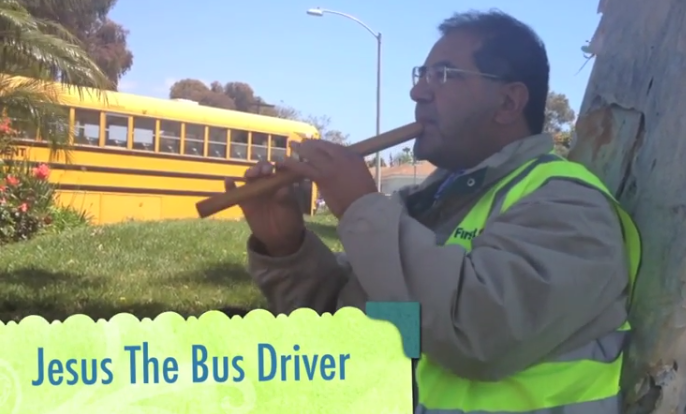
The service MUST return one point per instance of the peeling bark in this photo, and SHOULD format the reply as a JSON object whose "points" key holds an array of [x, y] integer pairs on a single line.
{"points": [[631, 131]]}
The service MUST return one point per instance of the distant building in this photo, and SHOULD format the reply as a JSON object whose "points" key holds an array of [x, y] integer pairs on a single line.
{"points": [[396, 177]]}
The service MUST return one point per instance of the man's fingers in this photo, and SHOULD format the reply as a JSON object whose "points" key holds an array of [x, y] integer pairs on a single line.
{"points": [[313, 153], [278, 166], [261, 169], [229, 184], [335, 151], [265, 168], [252, 172], [320, 143], [322, 154], [284, 193], [257, 171], [304, 169], [318, 158]]}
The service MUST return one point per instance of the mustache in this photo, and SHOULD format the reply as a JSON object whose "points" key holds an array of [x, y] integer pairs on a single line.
{"points": [[425, 115], [427, 121]]}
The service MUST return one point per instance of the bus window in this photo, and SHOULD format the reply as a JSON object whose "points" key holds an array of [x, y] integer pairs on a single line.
{"points": [[170, 136], [86, 127], [194, 140], [144, 134], [258, 146], [278, 151], [216, 148], [116, 130], [239, 144], [58, 131], [24, 129]]}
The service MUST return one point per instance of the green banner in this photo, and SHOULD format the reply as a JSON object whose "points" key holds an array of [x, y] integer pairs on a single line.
{"points": [[345, 363]]}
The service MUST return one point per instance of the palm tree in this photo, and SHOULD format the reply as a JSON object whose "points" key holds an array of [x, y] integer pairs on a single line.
{"points": [[41, 52]]}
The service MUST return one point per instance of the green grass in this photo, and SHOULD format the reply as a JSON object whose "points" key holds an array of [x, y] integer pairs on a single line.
{"points": [[142, 268]]}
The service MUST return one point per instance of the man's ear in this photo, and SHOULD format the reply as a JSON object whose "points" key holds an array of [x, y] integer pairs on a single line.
{"points": [[514, 97]]}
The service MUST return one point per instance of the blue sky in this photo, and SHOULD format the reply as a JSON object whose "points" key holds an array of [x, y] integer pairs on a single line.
{"points": [[327, 65]]}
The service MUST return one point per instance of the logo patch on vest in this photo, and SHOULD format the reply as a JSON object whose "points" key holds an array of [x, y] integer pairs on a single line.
{"points": [[464, 234]]}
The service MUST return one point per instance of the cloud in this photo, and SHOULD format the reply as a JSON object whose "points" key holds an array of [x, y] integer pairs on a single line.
{"points": [[166, 84], [127, 86], [169, 81]]}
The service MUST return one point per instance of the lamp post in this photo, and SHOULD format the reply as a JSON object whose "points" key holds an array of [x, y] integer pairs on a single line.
{"points": [[414, 166], [377, 35], [407, 151]]}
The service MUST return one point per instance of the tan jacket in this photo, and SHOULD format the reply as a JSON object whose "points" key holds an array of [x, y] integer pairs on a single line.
{"points": [[545, 277]]}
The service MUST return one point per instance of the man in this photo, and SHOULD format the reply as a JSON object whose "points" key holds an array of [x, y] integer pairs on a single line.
{"points": [[521, 261]]}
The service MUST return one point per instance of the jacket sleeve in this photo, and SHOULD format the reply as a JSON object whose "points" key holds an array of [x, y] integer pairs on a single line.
{"points": [[310, 278], [542, 276]]}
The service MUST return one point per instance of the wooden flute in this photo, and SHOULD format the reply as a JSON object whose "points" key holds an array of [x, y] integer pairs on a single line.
{"points": [[222, 201]]}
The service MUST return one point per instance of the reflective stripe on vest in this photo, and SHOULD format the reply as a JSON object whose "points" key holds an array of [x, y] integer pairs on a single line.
{"points": [[583, 381]]}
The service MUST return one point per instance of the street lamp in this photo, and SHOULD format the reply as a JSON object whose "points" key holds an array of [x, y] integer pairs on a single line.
{"points": [[377, 35]]}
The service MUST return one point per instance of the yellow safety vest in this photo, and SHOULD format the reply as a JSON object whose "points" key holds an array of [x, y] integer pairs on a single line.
{"points": [[583, 381]]}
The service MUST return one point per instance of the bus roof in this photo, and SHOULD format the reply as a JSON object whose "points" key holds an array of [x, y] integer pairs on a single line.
{"points": [[177, 110]]}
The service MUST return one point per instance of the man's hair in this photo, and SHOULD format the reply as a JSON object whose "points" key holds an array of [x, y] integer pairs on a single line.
{"points": [[511, 50]]}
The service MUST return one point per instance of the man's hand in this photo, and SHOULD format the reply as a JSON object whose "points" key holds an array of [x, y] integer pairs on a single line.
{"points": [[274, 219], [341, 175]]}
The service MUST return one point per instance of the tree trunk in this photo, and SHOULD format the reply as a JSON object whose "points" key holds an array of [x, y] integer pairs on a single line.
{"points": [[631, 131]]}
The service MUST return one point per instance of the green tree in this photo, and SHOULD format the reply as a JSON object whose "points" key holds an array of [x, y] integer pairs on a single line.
{"points": [[246, 100], [371, 162], [323, 123], [559, 115], [403, 157], [216, 87], [87, 20], [287, 112], [40, 50], [192, 89], [240, 96], [559, 122], [197, 91], [564, 138]]}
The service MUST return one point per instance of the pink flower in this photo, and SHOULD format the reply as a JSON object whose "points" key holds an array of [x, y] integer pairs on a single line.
{"points": [[5, 126], [41, 172], [12, 181]]}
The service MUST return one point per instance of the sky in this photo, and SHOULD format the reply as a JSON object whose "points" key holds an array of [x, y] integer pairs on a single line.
{"points": [[327, 65]]}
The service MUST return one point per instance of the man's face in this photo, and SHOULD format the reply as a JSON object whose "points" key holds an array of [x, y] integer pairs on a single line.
{"points": [[456, 109]]}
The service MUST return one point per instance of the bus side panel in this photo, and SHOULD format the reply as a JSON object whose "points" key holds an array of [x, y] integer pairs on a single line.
{"points": [[90, 203], [183, 207], [109, 208], [134, 160]]}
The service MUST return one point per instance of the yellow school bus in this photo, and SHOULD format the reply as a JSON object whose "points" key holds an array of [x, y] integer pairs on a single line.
{"points": [[143, 158]]}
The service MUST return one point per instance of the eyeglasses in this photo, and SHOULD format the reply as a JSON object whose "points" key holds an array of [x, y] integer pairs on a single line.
{"points": [[441, 74]]}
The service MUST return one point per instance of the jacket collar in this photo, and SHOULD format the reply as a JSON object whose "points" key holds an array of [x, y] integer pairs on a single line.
{"points": [[489, 171]]}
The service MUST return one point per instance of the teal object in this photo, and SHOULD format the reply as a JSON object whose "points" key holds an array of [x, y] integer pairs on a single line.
{"points": [[405, 317]]}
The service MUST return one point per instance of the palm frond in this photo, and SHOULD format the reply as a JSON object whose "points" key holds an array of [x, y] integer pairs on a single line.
{"points": [[45, 47], [42, 51], [33, 104]]}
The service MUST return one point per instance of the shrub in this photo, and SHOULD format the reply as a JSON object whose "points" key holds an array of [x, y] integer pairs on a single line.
{"points": [[64, 218], [26, 199]]}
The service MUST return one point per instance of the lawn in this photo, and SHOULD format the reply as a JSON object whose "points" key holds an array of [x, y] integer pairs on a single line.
{"points": [[188, 266]]}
